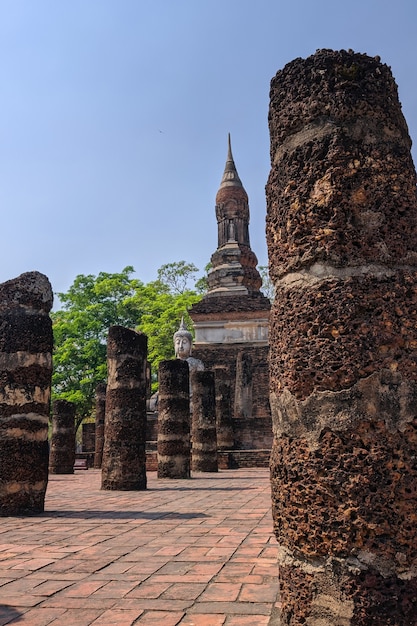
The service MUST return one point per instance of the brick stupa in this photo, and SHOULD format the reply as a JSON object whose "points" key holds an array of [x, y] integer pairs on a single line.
{"points": [[231, 321]]}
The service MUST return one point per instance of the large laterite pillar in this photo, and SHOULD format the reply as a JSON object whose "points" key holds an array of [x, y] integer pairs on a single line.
{"points": [[124, 451], [173, 444], [25, 389], [100, 417], [203, 423], [62, 446], [342, 246]]}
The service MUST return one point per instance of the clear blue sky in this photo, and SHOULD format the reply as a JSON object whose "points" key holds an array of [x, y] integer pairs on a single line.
{"points": [[115, 114]]}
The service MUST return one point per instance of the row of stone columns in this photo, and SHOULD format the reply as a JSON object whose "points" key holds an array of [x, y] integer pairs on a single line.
{"points": [[121, 419]]}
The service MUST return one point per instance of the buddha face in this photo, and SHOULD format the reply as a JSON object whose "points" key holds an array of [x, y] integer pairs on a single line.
{"points": [[182, 347]]}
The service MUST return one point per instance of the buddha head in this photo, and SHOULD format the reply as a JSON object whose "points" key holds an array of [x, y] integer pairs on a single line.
{"points": [[183, 341]]}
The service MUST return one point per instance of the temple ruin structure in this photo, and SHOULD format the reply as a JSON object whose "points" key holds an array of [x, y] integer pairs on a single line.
{"points": [[231, 324], [25, 373], [342, 244], [124, 450]]}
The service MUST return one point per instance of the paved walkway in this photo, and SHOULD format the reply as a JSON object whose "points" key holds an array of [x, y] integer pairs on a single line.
{"points": [[192, 552]]}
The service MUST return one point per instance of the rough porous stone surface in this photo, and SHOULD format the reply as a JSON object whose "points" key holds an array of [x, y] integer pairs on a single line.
{"points": [[124, 451], [25, 388], [173, 444], [342, 237], [224, 425], [203, 423], [62, 445], [99, 422]]}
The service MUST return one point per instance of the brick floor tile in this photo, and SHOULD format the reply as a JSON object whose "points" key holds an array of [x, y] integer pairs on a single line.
{"points": [[118, 617], [83, 589], [160, 618], [231, 608], [221, 592], [203, 620], [76, 617], [184, 591], [265, 592], [36, 617], [248, 620], [149, 589], [115, 589]]}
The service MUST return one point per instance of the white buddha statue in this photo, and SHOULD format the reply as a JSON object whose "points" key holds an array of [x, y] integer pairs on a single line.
{"points": [[183, 343]]}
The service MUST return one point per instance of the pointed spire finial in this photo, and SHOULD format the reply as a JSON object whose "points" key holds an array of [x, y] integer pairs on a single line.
{"points": [[230, 175], [229, 152]]}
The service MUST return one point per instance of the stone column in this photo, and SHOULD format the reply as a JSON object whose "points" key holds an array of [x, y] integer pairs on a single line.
{"points": [[203, 423], [62, 447], [100, 417], [25, 390], [124, 451], [173, 444], [224, 422], [342, 244], [243, 389]]}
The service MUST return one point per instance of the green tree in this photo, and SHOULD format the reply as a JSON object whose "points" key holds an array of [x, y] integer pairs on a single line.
{"points": [[90, 307], [93, 304], [176, 276]]}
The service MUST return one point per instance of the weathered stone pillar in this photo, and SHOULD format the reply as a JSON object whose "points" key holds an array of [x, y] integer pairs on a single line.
{"points": [[243, 389], [88, 437], [173, 444], [62, 447], [203, 423], [124, 452], [224, 423], [342, 243], [100, 417], [25, 389]]}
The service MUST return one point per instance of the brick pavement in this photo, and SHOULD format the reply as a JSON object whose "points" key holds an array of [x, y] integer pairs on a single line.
{"points": [[197, 552]]}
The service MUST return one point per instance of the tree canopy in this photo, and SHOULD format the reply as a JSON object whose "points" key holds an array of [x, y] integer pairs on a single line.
{"points": [[94, 303]]}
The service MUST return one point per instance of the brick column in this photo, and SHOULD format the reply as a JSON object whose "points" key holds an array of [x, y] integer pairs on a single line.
{"points": [[173, 445], [203, 423], [224, 423], [124, 454], [100, 417], [25, 390], [243, 390], [62, 450], [342, 246]]}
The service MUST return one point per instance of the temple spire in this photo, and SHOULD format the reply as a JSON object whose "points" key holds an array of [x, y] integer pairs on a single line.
{"points": [[230, 175]]}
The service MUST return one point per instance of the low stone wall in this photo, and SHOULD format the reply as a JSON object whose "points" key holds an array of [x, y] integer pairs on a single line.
{"points": [[227, 459]]}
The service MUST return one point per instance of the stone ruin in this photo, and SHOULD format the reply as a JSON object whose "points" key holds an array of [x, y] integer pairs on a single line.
{"points": [[25, 386], [174, 439], [231, 329], [124, 450], [342, 243], [62, 445]]}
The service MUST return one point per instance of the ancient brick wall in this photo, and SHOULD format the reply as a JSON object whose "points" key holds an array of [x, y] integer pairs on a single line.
{"points": [[226, 355], [342, 237]]}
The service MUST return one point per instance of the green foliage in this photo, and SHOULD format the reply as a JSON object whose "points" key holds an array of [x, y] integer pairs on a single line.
{"points": [[90, 307], [177, 275], [93, 304]]}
